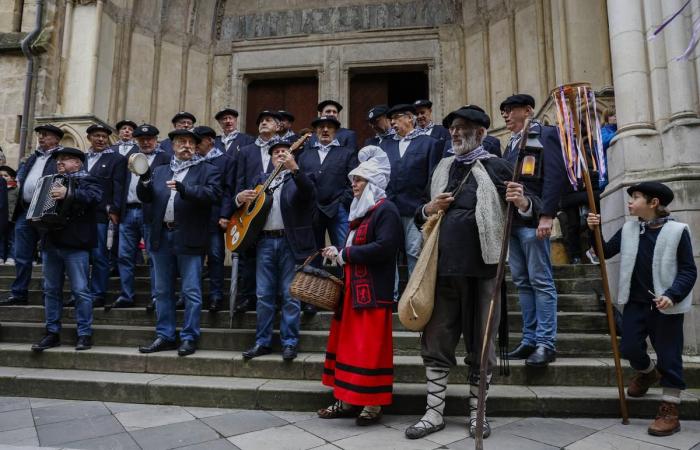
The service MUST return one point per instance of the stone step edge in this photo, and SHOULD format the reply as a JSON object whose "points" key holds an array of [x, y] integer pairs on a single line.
{"points": [[295, 395]]}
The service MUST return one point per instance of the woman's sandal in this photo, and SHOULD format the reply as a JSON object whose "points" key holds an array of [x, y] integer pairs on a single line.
{"points": [[336, 411], [368, 417]]}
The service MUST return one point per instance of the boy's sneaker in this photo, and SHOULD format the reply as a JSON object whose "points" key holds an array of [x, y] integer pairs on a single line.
{"points": [[666, 422], [641, 382]]}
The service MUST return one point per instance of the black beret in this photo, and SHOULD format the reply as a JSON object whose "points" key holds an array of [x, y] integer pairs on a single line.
{"points": [[426, 103], [518, 99], [97, 127], [401, 108], [468, 114], [226, 111], [376, 112], [268, 113], [146, 129], [121, 123], [653, 189], [10, 171], [278, 143], [323, 119], [50, 129], [204, 131], [286, 115], [175, 133], [325, 103], [479, 109], [184, 115], [69, 151]]}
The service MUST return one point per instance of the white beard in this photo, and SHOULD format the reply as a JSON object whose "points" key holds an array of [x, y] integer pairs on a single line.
{"points": [[469, 142]]}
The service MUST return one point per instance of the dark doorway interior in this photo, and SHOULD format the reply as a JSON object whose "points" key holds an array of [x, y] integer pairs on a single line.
{"points": [[391, 88], [297, 95]]}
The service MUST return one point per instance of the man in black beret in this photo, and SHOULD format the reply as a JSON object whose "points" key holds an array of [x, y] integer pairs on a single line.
{"points": [[183, 120], [380, 124], [39, 164], [231, 140], [285, 132], [67, 250], [529, 250], [490, 143], [424, 122], [125, 129], [345, 137], [468, 254]]}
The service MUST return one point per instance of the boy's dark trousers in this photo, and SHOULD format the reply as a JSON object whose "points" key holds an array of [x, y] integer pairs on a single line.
{"points": [[665, 331]]}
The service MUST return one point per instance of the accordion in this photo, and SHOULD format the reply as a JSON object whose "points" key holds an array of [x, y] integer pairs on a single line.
{"points": [[46, 212]]}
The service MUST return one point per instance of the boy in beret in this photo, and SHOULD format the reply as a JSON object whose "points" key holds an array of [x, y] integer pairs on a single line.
{"points": [[657, 273], [67, 250]]}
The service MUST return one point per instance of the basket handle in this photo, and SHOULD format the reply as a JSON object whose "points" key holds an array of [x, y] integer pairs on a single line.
{"points": [[311, 258]]}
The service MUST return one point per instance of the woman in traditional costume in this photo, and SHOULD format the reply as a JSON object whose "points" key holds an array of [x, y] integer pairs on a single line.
{"points": [[359, 356]]}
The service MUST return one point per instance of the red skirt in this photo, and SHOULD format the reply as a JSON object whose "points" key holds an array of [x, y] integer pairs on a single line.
{"points": [[359, 357]]}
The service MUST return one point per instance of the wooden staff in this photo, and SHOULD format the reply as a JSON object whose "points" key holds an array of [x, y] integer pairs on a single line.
{"points": [[496, 298]]}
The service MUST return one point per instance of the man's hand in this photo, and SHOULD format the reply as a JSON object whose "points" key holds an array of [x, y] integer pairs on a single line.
{"points": [[246, 196], [515, 195], [544, 229], [663, 302], [288, 161], [440, 203], [114, 218], [223, 223], [59, 192], [172, 184], [593, 220]]}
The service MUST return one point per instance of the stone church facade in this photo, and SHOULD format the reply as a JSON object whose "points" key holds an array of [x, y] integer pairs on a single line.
{"points": [[105, 60]]}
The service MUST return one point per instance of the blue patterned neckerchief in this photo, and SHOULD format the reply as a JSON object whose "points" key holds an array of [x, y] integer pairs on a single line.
{"points": [[177, 165], [287, 135], [92, 153], [213, 153], [77, 174], [129, 142], [260, 142], [653, 223], [389, 133], [326, 148], [412, 135], [39, 152], [427, 128], [474, 155], [229, 137]]}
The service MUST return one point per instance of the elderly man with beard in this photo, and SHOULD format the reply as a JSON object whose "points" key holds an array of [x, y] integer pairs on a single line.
{"points": [[470, 188]]}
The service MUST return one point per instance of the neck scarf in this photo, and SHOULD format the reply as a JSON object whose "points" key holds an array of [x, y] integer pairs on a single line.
{"points": [[229, 137], [478, 153], [427, 128], [177, 165], [129, 142], [652, 223], [40, 152], [413, 134], [288, 135], [92, 153], [213, 153], [77, 174], [333, 143], [389, 133]]}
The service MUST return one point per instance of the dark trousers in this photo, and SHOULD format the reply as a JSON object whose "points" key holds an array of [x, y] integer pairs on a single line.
{"points": [[246, 274], [665, 331]]}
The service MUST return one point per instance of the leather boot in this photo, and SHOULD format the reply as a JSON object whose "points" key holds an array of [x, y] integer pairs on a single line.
{"points": [[666, 422], [641, 382]]}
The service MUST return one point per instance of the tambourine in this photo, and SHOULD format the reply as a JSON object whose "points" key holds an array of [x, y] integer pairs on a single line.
{"points": [[138, 164]]}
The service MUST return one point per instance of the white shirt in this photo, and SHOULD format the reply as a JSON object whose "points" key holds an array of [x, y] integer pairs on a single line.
{"points": [[92, 160], [274, 218], [33, 176], [265, 157], [323, 150], [125, 148], [403, 146], [170, 209], [131, 197]]}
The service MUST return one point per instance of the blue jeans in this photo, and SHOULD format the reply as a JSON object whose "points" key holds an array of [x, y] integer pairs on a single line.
{"points": [[26, 238], [274, 272], [215, 264], [7, 242], [531, 270], [131, 230], [75, 263], [337, 228], [165, 265], [99, 257]]}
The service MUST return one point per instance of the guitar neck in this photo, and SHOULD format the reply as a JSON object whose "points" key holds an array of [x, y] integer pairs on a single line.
{"points": [[278, 168]]}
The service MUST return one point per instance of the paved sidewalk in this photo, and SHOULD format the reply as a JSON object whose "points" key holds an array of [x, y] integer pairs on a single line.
{"points": [[33, 422]]}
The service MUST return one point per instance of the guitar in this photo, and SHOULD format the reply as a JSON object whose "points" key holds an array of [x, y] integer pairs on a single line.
{"points": [[249, 219]]}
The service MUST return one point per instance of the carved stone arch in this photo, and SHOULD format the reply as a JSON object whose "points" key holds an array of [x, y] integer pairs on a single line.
{"points": [[73, 137]]}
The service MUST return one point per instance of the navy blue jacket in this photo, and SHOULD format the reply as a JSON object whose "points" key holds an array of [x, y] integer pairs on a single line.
{"points": [[197, 193], [115, 147], [333, 186], [298, 203], [235, 145], [410, 174], [110, 171], [249, 167], [226, 166], [4, 207], [554, 180], [442, 135], [160, 159], [80, 232], [24, 169]]}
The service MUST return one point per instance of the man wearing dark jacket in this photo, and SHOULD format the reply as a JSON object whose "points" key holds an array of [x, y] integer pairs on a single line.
{"points": [[380, 124], [183, 120], [67, 250], [231, 140], [39, 164], [287, 239], [424, 122], [181, 195]]}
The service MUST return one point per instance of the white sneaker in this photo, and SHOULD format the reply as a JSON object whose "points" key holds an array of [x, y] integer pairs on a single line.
{"points": [[10, 262], [590, 254]]}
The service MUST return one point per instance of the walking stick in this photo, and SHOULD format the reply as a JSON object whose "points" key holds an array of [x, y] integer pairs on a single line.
{"points": [[571, 101], [496, 298], [233, 289]]}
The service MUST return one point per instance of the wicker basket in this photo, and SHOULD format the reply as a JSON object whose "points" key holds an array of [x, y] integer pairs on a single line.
{"points": [[315, 286]]}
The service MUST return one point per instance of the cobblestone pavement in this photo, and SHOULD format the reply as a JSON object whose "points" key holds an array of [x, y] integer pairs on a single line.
{"points": [[66, 424]]}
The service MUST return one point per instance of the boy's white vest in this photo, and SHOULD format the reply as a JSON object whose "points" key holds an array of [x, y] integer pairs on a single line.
{"points": [[664, 264]]}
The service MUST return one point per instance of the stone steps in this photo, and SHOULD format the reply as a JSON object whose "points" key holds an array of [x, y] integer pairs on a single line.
{"points": [[304, 395], [308, 366], [568, 322], [405, 342]]}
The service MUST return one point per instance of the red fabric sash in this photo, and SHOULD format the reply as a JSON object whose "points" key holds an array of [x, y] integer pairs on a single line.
{"points": [[361, 284]]}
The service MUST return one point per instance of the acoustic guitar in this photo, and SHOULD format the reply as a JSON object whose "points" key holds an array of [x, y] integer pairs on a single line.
{"points": [[249, 219]]}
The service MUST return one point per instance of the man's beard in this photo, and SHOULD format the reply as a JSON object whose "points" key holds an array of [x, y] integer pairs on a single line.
{"points": [[470, 141]]}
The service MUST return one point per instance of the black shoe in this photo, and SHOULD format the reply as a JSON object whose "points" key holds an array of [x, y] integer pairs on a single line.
{"points": [[151, 305], [13, 300], [123, 302], [158, 345], [84, 343], [98, 302], [522, 351], [114, 273], [255, 351], [244, 305], [215, 305], [541, 357], [180, 304], [70, 303], [187, 347], [289, 352], [308, 309], [49, 341]]}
